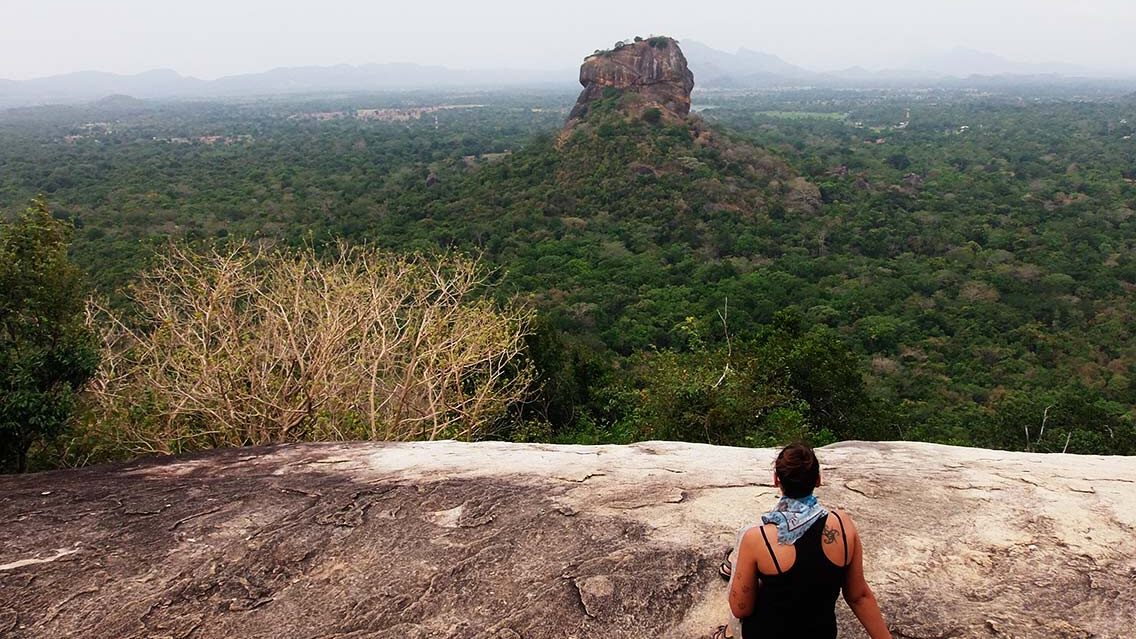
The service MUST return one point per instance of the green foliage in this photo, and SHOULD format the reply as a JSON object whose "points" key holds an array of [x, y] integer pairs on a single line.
{"points": [[46, 352], [652, 115], [611, 92], [1074, 419], [565, 373], [976, 265], [782, 385]]}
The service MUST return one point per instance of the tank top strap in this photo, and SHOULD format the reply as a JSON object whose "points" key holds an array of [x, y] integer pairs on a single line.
{"points": [[843, 536], [772, 554]]}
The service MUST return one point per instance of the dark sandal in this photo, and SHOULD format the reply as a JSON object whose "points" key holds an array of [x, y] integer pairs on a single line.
{"points": [[726, 569], [723, 632]]}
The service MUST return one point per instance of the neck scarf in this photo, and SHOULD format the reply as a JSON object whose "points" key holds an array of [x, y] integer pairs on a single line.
{"points": [[793, 517]]}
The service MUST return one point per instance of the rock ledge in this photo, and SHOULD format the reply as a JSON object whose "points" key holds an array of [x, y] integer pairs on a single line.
{"points": [[503, 540]]}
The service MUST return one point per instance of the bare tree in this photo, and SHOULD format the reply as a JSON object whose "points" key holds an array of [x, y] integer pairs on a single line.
{"points": [[251, 346], [1041, 433]]}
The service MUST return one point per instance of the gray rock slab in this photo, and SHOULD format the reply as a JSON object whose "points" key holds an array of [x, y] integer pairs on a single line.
{"points": [[445, 539]]}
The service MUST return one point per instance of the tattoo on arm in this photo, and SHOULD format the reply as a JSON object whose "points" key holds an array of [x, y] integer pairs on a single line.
{"points": [[829, 535]]}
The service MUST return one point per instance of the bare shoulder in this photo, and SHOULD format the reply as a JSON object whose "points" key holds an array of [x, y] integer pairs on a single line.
{"points": [[754, 538], [842, 517]]}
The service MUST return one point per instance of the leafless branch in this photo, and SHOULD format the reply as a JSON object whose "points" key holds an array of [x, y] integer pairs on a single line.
{"points": [[248, 346]]}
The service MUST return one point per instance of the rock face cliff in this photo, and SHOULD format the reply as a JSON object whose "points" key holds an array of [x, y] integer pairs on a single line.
{"points": [[501, 541], [653, 70]]}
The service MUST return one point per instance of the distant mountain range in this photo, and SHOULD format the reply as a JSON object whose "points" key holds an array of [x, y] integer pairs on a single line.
{"points": [[165, 83], [717, 69], [961, 62], [713, 69]]}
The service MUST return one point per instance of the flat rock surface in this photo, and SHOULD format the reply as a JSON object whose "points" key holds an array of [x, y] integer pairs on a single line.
{"points": [[501, 540]]}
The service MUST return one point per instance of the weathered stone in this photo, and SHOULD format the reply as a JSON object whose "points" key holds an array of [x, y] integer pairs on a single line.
{"points": [[654, 70], [508, 540], [803, 196], [597, 593]]}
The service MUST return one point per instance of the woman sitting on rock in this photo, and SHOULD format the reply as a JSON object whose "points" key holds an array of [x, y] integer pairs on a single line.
{"points": [[789, 570]]}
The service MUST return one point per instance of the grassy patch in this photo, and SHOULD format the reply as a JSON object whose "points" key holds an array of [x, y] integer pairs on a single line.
{"points": [[803, 115]]}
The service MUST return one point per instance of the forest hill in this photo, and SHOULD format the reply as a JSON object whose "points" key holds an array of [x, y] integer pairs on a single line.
{"points": [[987, 297]]}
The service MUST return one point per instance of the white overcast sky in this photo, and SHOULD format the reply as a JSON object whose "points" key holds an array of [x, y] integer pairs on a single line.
{"points": [[210, 38]]}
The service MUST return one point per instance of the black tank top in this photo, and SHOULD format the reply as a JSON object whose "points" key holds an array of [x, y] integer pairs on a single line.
{"points": [[801, 602]]}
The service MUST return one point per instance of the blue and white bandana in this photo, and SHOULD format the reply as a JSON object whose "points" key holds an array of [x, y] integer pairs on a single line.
{"points": [[793, 517]]}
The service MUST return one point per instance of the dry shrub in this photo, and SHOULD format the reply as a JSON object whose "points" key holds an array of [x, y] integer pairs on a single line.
{"points": [[249, 347]]}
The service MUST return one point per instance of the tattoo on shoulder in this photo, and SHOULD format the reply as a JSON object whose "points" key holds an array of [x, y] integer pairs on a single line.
{"points": [[829, 535]]}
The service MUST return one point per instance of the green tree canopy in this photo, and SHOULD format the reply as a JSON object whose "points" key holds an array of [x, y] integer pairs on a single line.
{"points": [[46, 351]]}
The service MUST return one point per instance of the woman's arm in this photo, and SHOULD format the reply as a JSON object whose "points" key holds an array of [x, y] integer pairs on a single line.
{"points": [[744, 579], [859, 595]]}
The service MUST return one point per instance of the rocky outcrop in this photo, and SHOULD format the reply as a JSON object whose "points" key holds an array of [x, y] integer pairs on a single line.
{"points": [[508, 540], [652, 72], [803, 196]]}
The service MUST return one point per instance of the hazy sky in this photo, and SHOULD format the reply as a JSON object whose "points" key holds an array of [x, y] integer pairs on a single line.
{"points": [[210, 38]]}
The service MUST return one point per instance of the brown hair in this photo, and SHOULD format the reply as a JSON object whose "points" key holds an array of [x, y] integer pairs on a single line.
{"points": [[798, 469]]}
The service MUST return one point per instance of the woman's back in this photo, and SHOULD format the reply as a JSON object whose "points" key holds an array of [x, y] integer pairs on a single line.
{"points": [[788, 591], [800, 602]]}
